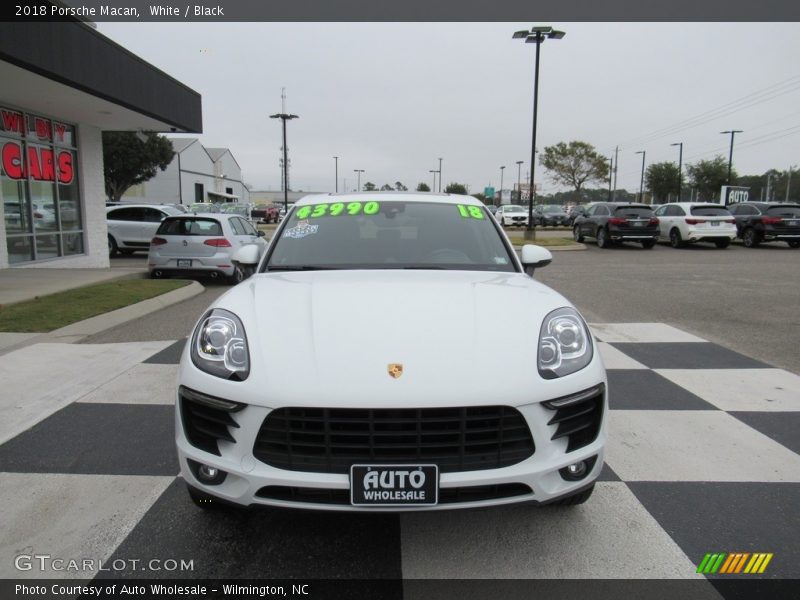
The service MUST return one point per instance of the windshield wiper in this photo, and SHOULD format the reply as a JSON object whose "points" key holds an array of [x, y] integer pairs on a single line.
{"points": [[299, 268]]}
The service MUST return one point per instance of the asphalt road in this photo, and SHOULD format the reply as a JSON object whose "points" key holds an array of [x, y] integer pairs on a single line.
{"points": [[745, 299]]}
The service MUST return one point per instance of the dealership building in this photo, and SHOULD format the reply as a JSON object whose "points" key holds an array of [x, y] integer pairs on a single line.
{"points": [[63, 85]]}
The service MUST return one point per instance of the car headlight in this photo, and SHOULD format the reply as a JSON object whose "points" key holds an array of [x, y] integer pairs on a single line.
{"points": [[219, 346], [564, 344]]}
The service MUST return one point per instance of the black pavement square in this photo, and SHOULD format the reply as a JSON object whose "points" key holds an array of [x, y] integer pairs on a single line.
{"points": [[171, 355], [729, 517], [642, 389], [687, 355], [608, 474], [262, 543], [783, 427], [105, 439]]}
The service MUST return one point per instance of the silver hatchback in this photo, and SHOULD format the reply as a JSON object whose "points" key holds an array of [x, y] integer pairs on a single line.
{"points": [[204, 245]]}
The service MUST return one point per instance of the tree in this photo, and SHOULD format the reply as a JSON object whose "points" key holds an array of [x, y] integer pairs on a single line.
{"points": [[423, 187], [386, 188], [574, 164], [662, 179], [400, 187], [456, 188], [128, 160], [708, 176], [369, 187]]}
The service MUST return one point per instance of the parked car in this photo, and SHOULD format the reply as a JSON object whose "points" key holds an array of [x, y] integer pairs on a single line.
{"points": [[552, 215], [364, 395], [577, 211], [491, 208], [204, 245], [511, 214], [204, 207], [265, 213], [758, 222], [242, 209], [617, 222], [689, 222], [132, 226]]}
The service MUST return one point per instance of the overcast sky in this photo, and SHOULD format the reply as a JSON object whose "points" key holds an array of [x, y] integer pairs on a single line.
{"points": [[391, 98]]}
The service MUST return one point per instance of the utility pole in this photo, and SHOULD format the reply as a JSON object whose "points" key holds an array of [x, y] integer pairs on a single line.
{"points": [[788, 183], [733, 132], [336, 175], [616, 165], [284, 116], [440, 175], [610, 171], [769, 181]]}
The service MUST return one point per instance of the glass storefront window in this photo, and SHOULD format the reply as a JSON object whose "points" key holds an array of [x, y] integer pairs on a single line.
{"points": [[38, 176]]}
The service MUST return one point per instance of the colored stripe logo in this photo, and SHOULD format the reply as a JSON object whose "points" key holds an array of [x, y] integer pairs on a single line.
{"points": [[734, 563]]}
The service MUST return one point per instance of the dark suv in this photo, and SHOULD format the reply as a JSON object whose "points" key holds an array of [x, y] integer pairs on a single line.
{"points": [[758, 222], [610, 222]]}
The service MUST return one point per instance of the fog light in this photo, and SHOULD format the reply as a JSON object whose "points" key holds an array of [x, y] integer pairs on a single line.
{"points": [[577, 471], [210, 473], [206, 474]]}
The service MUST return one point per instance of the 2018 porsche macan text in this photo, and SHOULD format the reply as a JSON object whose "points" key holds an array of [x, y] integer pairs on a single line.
{"points": [[392, 352]]}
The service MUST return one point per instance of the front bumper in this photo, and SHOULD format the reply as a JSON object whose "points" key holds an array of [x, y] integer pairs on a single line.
{"points": [[246, 476]]}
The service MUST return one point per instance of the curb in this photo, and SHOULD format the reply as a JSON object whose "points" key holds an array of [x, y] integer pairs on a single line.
{"points": [[77, 331]]}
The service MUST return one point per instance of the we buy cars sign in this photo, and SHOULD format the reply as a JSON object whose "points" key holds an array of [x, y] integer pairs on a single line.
{"points": [[38, 163]]}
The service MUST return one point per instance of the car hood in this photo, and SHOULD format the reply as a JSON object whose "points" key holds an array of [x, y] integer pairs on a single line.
{"points": [[330, 337]]}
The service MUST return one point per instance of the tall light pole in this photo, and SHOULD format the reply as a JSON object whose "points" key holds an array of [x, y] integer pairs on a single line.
{"points": [[285, 117], [359, 171], [616, 168], [641, 184], [610, 173], [501, 183], [680, 168], [519, 180], [336, 174], [733, 132], [440, 174], [434, 171], [535, 36]]}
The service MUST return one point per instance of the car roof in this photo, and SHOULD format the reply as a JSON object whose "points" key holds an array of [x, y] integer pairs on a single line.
{"points": [[768, 204], [389, 197], [127, 205]]}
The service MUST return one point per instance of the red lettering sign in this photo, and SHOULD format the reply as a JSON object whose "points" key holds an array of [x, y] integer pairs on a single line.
{"points": [[13, 122], [60, 130], [43, 131], [41, 164]]}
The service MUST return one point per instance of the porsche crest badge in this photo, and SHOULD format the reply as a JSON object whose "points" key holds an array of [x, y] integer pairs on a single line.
{"points": [[395, 370]]}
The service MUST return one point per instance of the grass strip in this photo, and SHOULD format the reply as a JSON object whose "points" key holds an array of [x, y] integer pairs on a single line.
{"points": [[47, 313]]}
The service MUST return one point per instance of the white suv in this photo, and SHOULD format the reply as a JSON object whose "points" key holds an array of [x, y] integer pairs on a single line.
{"points": [[689, 222], [132, 226]]}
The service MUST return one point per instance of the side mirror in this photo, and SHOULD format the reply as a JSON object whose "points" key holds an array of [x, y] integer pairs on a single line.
{"points": [[261, 233], [535, 257]]}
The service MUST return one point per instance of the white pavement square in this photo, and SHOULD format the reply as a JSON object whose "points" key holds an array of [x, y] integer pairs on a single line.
{"points": [[694, 445], [529, 542], [70, 517], [766, 390], [641, 333], [143, 384], [41, 379]]}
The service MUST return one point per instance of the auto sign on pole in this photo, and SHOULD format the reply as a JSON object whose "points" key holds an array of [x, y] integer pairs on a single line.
{"points": [[730, 194]]}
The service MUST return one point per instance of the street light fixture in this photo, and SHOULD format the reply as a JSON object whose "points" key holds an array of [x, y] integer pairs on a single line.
{"points": [[359, 171], [536, 35], [440, 174], [733, 132], [434, 171], [501, 183], [285, 117], [641, 184], [519, 180], [336, 176], [680, 168]]}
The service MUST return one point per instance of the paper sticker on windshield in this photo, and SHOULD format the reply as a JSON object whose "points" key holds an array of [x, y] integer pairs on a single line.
{"points": [[470, 212], [336, 209], [300, 230]]}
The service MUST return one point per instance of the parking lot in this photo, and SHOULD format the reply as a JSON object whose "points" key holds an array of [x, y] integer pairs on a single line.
{"points": [[703, 456]]}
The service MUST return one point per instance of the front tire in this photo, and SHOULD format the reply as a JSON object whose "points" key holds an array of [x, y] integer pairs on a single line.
{"points": [[576, 234], [602, 238], [750, 238], [113, 249], [722, 243], [240, 273], [575, 499], [675, 239]]}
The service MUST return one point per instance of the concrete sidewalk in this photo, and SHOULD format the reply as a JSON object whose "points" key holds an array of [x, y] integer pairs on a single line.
{"points": [[17, 285]]}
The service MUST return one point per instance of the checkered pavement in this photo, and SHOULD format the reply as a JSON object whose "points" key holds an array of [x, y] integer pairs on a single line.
{"points": [[703, 456]]}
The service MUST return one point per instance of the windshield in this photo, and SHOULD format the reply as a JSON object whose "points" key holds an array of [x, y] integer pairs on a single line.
{"points": [[710, 211], [190, 226], [784, 211], [513, 208], [389, 235], [633, 212], [550, 208]]}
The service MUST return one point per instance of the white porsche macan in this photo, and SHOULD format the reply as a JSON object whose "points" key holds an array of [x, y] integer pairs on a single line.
{"points": [[358, 368]]}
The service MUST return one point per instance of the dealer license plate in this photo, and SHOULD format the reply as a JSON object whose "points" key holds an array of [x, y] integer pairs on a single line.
{"points": [[715, 223], [184, 263], [792, 222], [637, 223], [394, 485]]}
